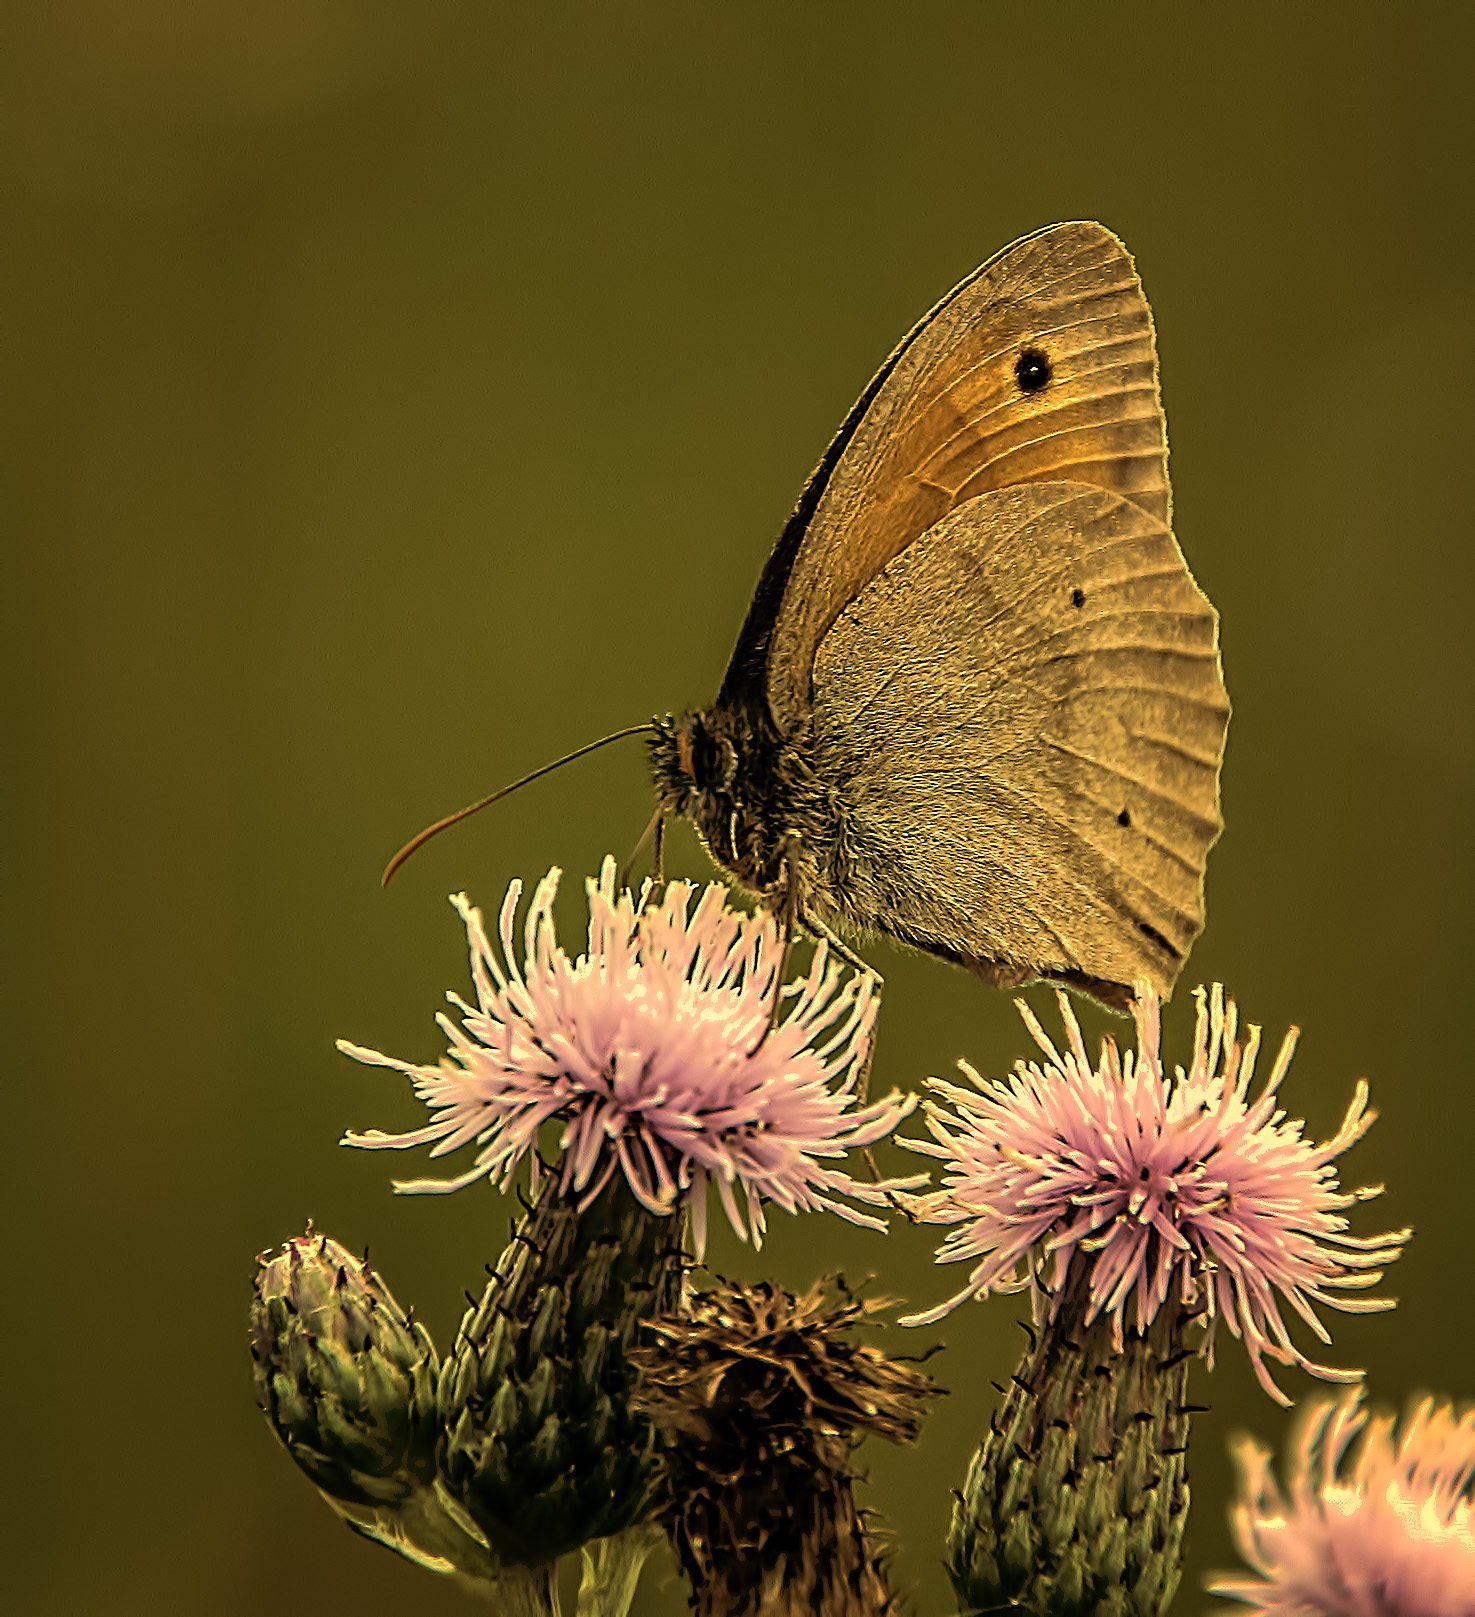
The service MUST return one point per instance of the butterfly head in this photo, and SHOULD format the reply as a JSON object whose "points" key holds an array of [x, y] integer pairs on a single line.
{"points": [[695, 763]]}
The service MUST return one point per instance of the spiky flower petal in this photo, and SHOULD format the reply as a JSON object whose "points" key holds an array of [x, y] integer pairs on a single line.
{"points": [[1162, 1184], [1393, 1531], [655, 1052], [762, 1396]]}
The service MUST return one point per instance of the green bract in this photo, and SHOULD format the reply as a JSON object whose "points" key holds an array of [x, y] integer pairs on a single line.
{"points": [[543, 1450], [1076, 1502]]}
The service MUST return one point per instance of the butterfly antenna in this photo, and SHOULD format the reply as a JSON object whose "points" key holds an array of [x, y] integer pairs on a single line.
{"points": [[486, 802]]}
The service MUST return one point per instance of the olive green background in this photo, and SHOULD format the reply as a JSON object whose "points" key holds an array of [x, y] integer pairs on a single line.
{"points": [[403, 395]]}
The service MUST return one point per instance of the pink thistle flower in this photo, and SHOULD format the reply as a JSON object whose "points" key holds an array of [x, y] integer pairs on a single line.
{"points": [[1155, 1183], [1395, 1537], [654, 1051]]}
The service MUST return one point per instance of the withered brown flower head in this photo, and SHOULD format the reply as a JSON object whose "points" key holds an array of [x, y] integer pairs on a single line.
{"points": [[763, 1396]]}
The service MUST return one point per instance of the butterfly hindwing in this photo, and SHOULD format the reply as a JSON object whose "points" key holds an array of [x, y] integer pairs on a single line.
{"points": [[1023, 717]]}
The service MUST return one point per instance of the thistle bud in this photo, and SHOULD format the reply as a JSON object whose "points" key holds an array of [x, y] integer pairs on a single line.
{"points": [[347, 1381], [345, 1378]]}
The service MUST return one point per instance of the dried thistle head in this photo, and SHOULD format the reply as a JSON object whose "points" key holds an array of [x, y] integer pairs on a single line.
{"points": [[762, 1396], [740, 1349]]}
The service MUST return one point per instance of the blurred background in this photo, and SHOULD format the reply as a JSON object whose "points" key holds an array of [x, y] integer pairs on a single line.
{"points": [[404, 395]]}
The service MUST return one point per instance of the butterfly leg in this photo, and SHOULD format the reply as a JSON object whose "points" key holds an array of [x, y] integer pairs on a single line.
{"points": [[837, 946], [655, 832], [788, 921], [818, 930]]}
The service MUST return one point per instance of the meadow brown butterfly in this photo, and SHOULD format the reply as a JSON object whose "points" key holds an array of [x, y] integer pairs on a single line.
{"points": [[977, 705]]}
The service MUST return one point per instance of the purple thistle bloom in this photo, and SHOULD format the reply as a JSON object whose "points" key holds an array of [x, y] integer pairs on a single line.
{"points": [[1156, 1183], [654, 1051], [1396, 1535]]}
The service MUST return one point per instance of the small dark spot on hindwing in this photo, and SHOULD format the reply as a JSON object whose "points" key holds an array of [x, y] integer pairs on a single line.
{"points": [[1124, 818], [1032, 370], [1078, 597], [1152, 933]]}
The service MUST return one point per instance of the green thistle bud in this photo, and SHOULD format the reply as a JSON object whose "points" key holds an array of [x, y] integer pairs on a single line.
{"points": [[542, 1449], [1076, 1502], [347, 1381], [762, 1397]]}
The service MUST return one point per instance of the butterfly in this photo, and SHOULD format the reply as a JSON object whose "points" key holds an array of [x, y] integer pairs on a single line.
{"points": [[977, 704]]}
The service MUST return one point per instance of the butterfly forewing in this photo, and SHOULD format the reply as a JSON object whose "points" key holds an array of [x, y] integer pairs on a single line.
{"points": [[1039, 368]]}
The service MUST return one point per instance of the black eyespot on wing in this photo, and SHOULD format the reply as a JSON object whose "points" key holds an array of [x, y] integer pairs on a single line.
{"points": [[1078, 597], [1032, 370], [1124, 818]]}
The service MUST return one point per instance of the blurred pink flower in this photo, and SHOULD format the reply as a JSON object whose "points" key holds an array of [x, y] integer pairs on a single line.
{"points": [[654, 1052], [1395, 1536], [1155, 1182]]}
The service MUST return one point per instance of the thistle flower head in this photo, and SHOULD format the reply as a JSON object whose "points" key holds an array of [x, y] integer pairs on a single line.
{"points": [[1154, 1182], [655, 1052], [1391, 1531]]}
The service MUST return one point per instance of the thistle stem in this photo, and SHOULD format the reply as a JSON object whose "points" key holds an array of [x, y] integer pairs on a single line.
{"points": [[527, 1592]]}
